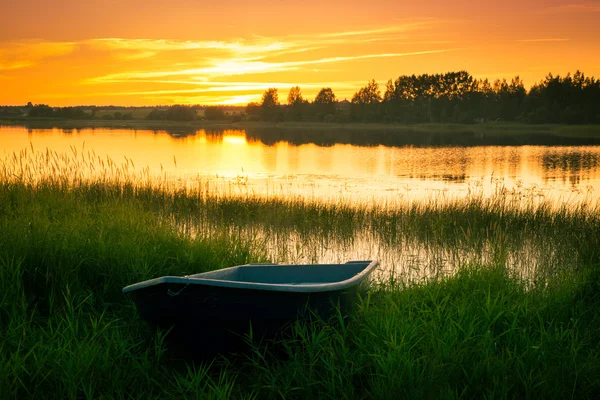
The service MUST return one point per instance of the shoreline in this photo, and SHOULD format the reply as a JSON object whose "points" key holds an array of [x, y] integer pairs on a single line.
{"points": [[200, 124], [429, 134]]}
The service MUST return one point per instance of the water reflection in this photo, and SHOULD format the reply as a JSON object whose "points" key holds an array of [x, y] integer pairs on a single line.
{"points": [[573, 161], [405, 255], [366, 135], [570, 166], [260, 163], [237, 164]]}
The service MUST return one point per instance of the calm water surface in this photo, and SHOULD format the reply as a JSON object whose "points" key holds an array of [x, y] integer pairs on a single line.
{"points": [[355, 173]]}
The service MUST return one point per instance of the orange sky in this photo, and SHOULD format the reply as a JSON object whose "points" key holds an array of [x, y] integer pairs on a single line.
{"points": [[67, 52]]}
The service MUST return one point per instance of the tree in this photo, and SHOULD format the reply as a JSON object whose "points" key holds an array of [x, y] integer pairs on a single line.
{"points": [[155, 114], [269, 105], [253, 111], [325, 96], [369, 94], [214, 113], [180, 112], [295, 96], [324, 104], [41, 110], [296, 105], [390, 91], [365, 102], [270, 99]]}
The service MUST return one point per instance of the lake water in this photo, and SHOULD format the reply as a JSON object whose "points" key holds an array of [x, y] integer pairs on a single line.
{"points": [[361, 175], [357, 174]]}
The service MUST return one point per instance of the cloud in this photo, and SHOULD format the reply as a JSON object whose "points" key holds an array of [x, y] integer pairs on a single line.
{"points": [[205, 59], [258, 46], [239, 46], [390, 29], [578, 8], [136, 56], [220, 68], [366, 56], [222, 87], [159, 68], [219, 92], [209, 100], [24, 54], [544, 40], [15, 65]]}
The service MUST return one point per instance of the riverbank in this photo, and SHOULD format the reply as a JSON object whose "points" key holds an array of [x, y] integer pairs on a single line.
{"points": [[358, 133], [483, 330]]}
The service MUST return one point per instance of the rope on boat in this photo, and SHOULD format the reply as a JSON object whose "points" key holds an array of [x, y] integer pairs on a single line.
{"points": [[177, 293]]}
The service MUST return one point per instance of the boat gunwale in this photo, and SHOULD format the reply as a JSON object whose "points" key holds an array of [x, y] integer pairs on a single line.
{"points": [[273, 287]]}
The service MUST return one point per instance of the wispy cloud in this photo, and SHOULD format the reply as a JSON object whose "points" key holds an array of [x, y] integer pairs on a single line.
{"points": [[366, 56], [390, 29], [258, 47], [247, 49], [15, 65], [573, 8], [129, 56], [213, 58], [27, 53], [544, 40], [219, 68], [223, 87], [239, 46], [207, 100], [243, 67], [217, 92], [200, 69]]}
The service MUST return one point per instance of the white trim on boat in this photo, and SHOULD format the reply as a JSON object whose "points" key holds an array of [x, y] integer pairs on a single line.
{"points": [[303, 287]]}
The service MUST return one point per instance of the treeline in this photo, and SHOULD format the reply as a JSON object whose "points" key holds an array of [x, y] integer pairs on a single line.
{"points": [[165, 113], [190, 113], [453, 97], [45, 111], [173, 113]]}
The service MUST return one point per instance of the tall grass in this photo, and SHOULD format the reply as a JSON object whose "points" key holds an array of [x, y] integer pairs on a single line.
{"points": [[476, 334], [480, 297]]}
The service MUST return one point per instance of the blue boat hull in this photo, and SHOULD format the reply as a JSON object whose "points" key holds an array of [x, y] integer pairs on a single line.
{"points": [[209, 317], [207, 320]]}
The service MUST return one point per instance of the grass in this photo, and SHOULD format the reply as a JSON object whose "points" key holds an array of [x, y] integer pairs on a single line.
{"points": [[456, 317], [476, 334]]}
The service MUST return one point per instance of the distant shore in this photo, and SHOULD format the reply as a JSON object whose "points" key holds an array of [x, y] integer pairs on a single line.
{"points": [[490, 133]]}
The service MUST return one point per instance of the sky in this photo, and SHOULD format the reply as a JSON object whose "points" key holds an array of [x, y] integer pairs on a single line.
{"points": [[150, 52]]}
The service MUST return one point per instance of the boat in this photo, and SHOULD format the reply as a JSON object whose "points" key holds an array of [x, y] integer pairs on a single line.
{"points": [[216, 311]]}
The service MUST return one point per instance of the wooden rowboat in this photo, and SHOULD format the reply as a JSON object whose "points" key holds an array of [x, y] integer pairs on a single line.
{"points": [[214, 309]]}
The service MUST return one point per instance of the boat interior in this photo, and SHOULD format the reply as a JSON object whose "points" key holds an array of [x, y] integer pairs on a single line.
{"points": [[287, 274]]}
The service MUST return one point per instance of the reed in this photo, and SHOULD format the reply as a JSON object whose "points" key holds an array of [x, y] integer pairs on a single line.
{"points": [[484, 296]]}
